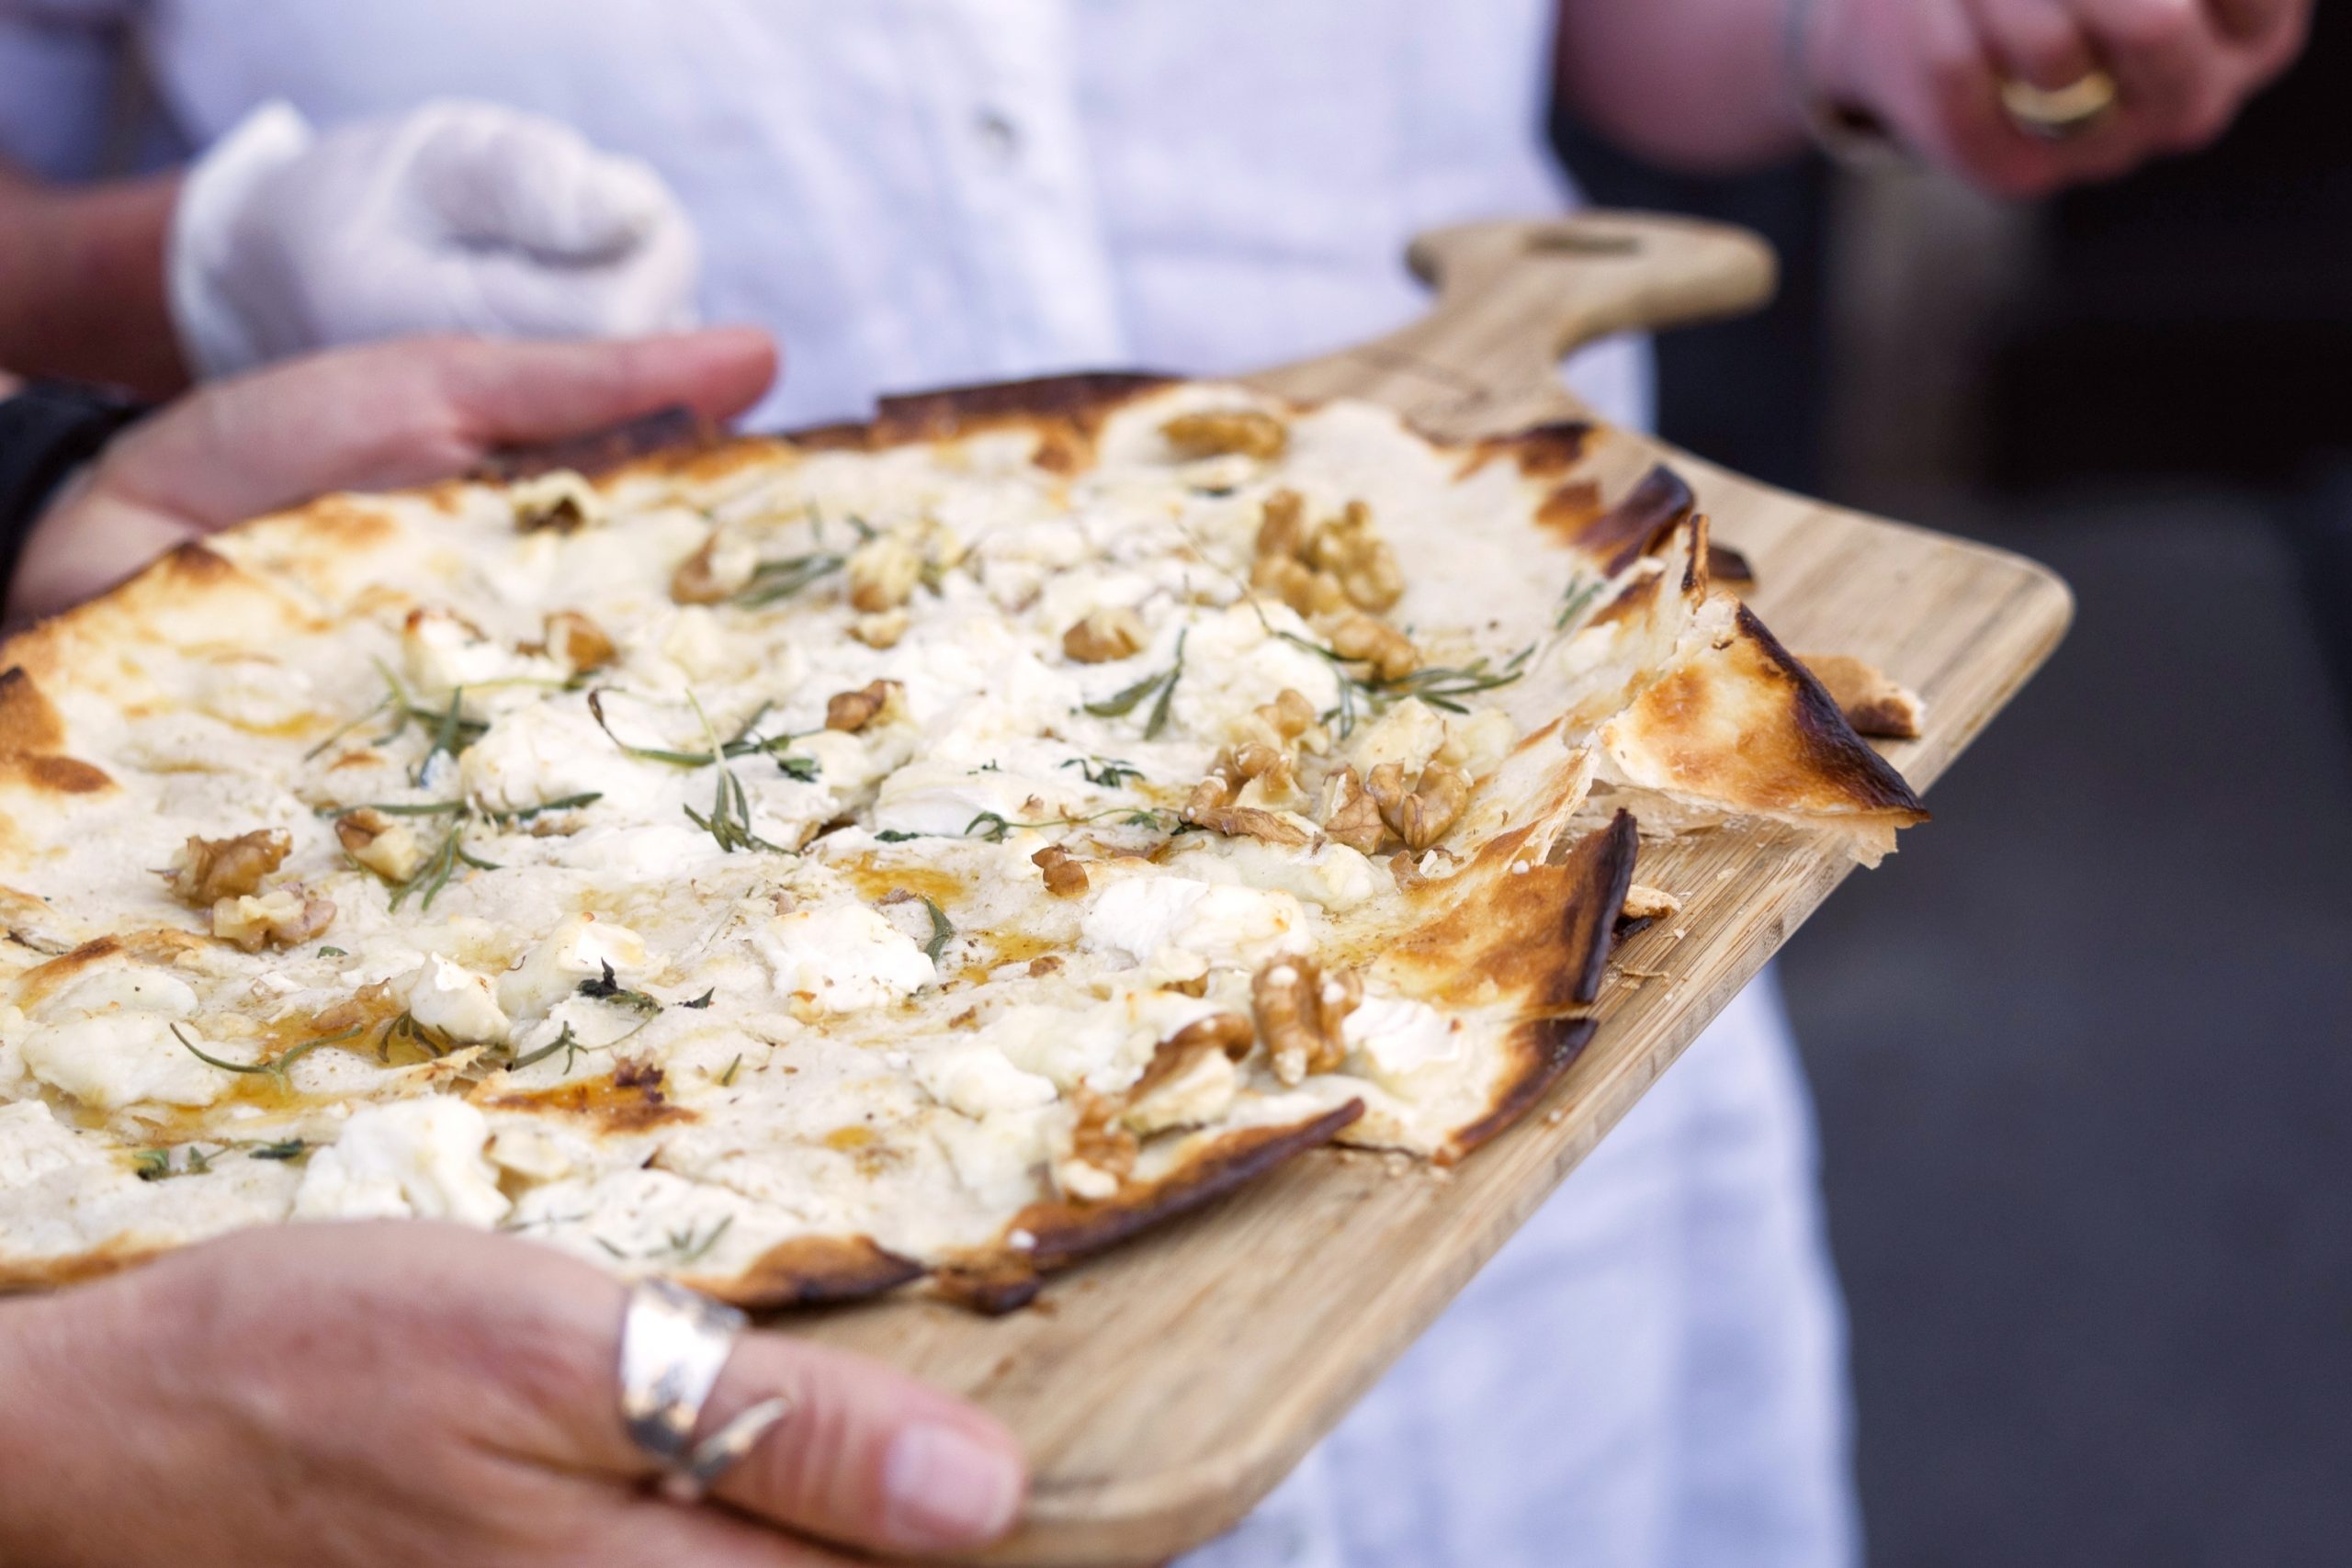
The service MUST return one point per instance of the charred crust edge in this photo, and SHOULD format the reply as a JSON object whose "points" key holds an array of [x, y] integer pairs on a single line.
{"points": [[1648, 513], [1542, 1049], [1084, 399], [675, 433], [1605, 861], [814, 1271], [1831, 745], [1005, 1277]]}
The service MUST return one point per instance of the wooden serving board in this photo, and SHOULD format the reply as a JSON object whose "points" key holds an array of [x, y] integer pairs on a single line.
{"points": [[1165, 1388]]}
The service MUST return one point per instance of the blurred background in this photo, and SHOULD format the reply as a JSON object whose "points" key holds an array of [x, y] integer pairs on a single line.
{"points": [[2089, 1186]]}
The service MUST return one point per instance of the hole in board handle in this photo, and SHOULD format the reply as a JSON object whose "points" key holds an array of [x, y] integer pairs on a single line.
{"points": [[1583, 242]]}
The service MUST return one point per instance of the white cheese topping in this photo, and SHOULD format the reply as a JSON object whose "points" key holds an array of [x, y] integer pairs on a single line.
{"points": [[578, 950], [453, 999], [843, 959], [115, 1059], [1400, 1036], [977, 1081], [1177, 929], [420, 1157]]}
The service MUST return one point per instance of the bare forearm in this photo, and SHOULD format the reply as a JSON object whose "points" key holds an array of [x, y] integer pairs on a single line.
{"points": [[81, 282], [1699, 85]]}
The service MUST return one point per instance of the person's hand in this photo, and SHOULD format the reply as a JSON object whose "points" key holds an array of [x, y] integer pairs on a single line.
{"points": [[1932, 71], [399, 1394], [459, 216], [388, 414]]}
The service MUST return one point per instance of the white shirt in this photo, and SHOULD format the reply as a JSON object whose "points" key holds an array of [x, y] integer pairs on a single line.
{"points": [[914, 193]]}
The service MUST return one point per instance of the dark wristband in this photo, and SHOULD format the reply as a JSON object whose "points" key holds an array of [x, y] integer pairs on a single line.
{"points": [[47, 430]]}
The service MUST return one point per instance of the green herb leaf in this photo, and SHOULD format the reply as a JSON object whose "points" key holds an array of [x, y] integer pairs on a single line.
{"points": [[332, 952], [1105, 772], [942, 929], [778, 580], [703, 1000], [152, 1164], [726, 1078], [291, 1149], [897, 836], [1579, 597], [605, 989], [278, 1065]]}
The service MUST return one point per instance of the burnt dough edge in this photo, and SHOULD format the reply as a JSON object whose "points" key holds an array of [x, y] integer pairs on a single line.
{"points": [[1000, 1278], [812, 1271], [1536, 938], [1542, 1049]]}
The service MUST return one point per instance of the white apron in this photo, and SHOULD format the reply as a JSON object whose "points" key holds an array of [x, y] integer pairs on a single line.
{"points": [[914, 192]]}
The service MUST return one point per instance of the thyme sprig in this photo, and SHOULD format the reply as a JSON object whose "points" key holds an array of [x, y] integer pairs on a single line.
{"points": [[1441, 686], [1163, 685], [277, 1067], [434, 874], [605, 987], [1577, 599], [942, 930], [773, 580], [1106, 773], [746, 742], [992, 827]]}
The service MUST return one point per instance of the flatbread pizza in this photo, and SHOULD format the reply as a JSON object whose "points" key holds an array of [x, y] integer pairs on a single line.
{"points": [[930, 849]]}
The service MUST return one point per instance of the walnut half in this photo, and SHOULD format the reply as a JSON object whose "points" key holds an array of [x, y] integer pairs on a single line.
{"points": [[1105, 635], [1065, 873], [1422, 814], [206, 870], [1215, 431], [1300, 1007], [853, 711], [283, 916]]}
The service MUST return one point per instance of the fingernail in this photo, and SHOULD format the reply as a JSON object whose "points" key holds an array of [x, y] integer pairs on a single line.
{"points": [[946, 1488]]}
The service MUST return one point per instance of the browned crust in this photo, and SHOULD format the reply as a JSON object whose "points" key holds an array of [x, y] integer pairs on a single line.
{"points": [[1539, 937], [675, 434], [1540, 1049], [30, 724], [810, 1271], [613, 1105], [1004, 1277], [1641, 521], [1542, 451], [28, 1274], [1831, 749], [1064, 411], [1873, 701], [1728, 565]]}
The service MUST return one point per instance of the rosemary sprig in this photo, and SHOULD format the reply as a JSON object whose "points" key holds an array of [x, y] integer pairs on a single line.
{"points": [[292, 1148], [1163, 685], [343, 730], [729, 821], [744, 744], [703, 1000], [1107, 773], [992, 827], [942, 929], [397, 809], [896, 835], [1578, 598], [778, 580], [560, 803], [604, 987], [277, 1067], [563, 1041], [726, 1078], [403, 1028], [434, 874], [686, 1247], [155, 1164]]}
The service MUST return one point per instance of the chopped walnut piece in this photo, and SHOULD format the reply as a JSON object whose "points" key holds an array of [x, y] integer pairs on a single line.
{"points": [[1348, 549], [1252, 822], [1422, 814], [1040, 967], [883, 630], [283, 916], [1305, 590], [721, 569], [1281, 526], [1211, 793], [853, 711], [559, 501], [1873, 702], [1105, 635], [1362, 640], [1350, 815], [1300, 1009], [1290, 714], [883, 572], [389, 849], [580, 642], [206, 870], [1191, 1077], [1648, 904], [1065, 873], [1102, 1150], [1215, 431]]}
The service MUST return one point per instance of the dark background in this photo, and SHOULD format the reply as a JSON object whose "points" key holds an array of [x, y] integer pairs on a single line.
{"points": [[2088, 1182]]}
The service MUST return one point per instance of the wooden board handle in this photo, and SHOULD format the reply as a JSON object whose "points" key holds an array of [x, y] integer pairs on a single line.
{"points": [[1514, 298]]}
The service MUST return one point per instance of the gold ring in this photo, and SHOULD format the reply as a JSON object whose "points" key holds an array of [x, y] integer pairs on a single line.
{"points": [[2054, 114]]}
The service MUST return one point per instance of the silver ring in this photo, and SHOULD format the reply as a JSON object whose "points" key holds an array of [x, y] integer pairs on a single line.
{"points": [[674, 1343]]}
